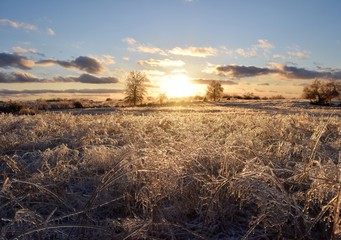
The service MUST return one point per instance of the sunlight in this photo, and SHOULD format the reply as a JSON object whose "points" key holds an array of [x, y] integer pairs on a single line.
{"points": [[177, 86]]}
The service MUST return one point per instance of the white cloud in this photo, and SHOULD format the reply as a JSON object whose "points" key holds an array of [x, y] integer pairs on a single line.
{"points": [[18, 25], [210, 68], [263, 45], [278, 56], [129, 40], [146, 49], [299, 54], [246, 52], [50, 32], [104, 59], [162, 63], [23, 50], [194, 51]]}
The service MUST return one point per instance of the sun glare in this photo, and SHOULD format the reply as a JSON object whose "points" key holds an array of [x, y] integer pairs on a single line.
{"points": [[177, 86]]}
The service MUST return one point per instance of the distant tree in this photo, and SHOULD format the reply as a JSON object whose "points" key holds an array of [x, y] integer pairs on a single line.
{"points": [[322, 93], [162, 98], [135, 87], [214, 90]]}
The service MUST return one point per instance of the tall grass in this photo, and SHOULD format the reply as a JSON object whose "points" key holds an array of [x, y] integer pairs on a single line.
{"points": [[197, 174]]}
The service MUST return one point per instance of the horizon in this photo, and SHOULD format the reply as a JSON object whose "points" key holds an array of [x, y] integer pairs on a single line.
{"points": [[86, 49]]}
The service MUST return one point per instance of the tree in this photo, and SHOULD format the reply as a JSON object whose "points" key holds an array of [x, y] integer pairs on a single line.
{"points": [[322, 93], [162, 98], [135, 87], [214, 90]]}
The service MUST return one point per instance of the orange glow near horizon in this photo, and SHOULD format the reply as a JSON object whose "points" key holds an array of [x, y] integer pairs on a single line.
{"points": [[177, 86]]}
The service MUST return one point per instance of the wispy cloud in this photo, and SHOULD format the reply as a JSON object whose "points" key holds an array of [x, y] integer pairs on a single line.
{"points": [[194, 51], [13, 60], [262, 45], [162, 63], [87, 64], [20, 50], [18, 25], [104, 59], [50, 32], [300, 54], [207, 81], [135, 46], [129, 40]]}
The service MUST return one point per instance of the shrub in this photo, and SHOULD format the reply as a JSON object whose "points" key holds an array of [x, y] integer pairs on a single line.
{"points": [[322, 93]]}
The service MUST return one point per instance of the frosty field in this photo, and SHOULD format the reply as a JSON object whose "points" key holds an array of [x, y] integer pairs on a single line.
{"points": [[201, 171]]}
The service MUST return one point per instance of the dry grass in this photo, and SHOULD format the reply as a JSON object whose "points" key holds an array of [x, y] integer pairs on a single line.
{"points": [[178, 173]]}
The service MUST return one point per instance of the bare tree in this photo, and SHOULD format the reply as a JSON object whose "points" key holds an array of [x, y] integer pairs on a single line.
{"points": [[135, 87], [322, 92], [214, 90]]}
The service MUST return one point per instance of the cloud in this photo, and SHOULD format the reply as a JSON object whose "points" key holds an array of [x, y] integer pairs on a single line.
{"points": [[207, 81], [262, 44], [246, 52], [263, 84], [129, 40], [14, 60], [87, 64], [50, 32], [23, 77], [69, 91], [24, 51], [194, 51], [19, 77], [147, 49], [18, 25], [162, 63], [278, 56], [242, 71], [87, 78], [288, 72], [300, 54], [104, 59]]}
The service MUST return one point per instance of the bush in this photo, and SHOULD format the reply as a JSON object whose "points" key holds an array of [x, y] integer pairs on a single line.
{"points": [[322, 93]]}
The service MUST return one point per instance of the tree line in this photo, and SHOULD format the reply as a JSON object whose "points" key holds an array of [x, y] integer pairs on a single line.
{"points": [[319, 92]]}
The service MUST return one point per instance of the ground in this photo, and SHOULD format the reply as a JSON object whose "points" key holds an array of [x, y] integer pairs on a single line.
{"points": [[230, 170]]}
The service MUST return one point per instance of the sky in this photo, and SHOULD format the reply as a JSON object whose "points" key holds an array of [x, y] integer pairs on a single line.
{"points": [[86, 49]]}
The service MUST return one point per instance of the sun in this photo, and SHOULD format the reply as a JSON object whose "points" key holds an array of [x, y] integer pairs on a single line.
{"points": [[176, 86]]}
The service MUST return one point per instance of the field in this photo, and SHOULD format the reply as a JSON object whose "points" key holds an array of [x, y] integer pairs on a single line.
{"points": [[234, 170]]}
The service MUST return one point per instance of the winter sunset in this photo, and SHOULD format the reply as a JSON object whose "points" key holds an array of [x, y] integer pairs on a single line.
{"points": [[170, 119]]}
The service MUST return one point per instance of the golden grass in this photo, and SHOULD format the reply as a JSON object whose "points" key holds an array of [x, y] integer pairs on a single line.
{"points": [[205, 172]]}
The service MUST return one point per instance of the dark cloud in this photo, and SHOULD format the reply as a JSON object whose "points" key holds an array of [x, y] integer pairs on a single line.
{"points": [[22, 77], [242, 71], [263, 84], [69, 91], [87, 64], [207, 81], [14, 60], [19, 77], [289, 72], [87, 78]]}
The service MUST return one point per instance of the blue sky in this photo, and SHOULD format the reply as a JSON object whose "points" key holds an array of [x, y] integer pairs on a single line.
{"points": [[87, 48]]}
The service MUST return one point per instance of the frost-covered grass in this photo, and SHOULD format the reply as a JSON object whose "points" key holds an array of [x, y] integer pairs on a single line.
{"points": [[172, 173]]}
